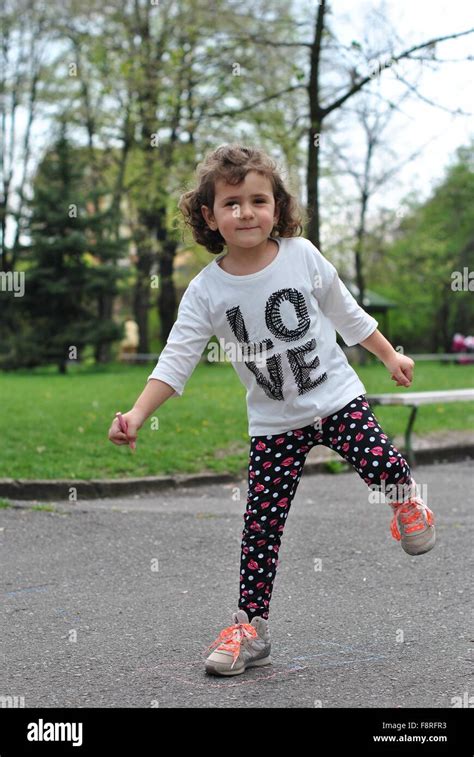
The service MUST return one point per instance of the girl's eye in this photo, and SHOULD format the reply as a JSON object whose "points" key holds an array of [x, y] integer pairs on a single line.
{"points": [[236, 203]]}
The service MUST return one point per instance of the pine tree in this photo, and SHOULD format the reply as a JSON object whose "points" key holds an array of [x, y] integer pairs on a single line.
{"points": [[73, 263]]}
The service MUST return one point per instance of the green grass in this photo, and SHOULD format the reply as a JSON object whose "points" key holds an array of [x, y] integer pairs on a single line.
{"points": [[5, 504], [56, 426]]}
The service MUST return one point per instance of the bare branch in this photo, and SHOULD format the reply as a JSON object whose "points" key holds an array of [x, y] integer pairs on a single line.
{"points": [[456, 112], [250, 106], [269, 42], [406, 54]]}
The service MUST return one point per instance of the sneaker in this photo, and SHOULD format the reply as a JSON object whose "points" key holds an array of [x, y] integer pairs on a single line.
{"points": [[413, 525], [240, 646]]}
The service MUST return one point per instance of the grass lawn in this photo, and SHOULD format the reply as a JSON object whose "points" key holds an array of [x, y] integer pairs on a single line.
{"points": [[56, 426]]}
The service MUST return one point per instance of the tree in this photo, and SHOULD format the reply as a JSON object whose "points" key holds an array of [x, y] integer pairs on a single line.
{"points": [[22, 43], [434, 243], [325, 99], [64, 281]]}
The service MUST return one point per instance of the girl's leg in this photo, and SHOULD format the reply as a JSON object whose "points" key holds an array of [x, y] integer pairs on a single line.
{"points": [[275, 467], [355, 433]]}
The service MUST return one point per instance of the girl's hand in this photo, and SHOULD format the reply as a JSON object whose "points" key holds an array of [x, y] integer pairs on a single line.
{"points": [[401, 369], [131, 421]]}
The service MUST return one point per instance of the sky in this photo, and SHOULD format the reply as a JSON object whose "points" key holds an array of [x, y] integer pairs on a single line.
{"points": [[449, 85]]}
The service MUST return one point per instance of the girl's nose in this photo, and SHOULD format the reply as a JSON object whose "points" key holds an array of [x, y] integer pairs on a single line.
{"points": [[246, 211]]}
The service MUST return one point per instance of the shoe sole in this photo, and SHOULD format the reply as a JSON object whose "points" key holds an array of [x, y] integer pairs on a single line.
{"points": [[214, 669], [419, 548]]}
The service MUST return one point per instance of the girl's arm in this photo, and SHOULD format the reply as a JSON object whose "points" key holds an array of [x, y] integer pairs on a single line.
{"points": [[352, 322], [184, 347], [155, 393], [400, 366], [379, 346], [355, 325], [187, 339]]}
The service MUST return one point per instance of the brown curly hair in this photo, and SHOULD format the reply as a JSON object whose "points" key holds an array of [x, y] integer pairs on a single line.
{"points": [[232, 162]]}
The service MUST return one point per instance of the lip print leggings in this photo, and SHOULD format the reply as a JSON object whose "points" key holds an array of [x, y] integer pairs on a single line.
{"points": [[275, 467]]}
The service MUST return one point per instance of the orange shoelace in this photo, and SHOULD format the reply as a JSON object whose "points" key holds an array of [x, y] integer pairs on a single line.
{"points": [[414, 514], [231, 638]]}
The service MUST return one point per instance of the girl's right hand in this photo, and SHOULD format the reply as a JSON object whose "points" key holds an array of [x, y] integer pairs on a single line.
{"points": [[134, 422]]}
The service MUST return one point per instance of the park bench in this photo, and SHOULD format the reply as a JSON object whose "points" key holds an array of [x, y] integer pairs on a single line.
{"points": [[138, 357], [145, 357], [414, 400], [462, 358]]}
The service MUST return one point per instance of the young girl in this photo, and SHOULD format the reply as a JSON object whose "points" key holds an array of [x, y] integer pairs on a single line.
{"points": [[274, 302]]}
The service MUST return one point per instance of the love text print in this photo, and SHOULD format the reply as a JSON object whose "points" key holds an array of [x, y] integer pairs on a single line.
{"points": [[296, 356]]}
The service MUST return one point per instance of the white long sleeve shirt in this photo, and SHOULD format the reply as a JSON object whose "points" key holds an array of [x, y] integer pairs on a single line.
{"points": [[278, 327]]}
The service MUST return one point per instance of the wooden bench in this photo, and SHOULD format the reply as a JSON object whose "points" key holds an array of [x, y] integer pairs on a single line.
{"points": [[451, 357], [414, 400], [137, 357]]}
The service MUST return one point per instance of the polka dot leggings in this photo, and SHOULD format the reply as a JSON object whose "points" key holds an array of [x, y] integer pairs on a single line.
{"points": [[275, 467]]}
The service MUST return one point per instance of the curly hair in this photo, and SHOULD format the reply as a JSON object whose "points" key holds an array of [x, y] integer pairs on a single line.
{"points": [[232, 162]]}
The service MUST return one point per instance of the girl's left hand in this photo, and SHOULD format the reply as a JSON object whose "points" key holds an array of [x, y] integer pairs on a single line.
{"points": [[401, 369]]}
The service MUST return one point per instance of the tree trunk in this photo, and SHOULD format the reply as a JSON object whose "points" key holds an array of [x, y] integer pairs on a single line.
{"points": [[167, 296], [105, 310], [141, 298], [439, 335], [314, 135]]}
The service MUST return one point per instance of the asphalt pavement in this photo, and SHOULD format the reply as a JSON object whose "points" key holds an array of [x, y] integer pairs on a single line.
{"points": [[112, 602]]}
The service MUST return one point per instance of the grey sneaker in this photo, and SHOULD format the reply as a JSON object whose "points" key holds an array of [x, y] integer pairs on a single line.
{"points": [[413, 525], [240, 646]]}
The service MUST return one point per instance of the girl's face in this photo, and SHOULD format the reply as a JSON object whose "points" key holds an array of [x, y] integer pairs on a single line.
{"points": [[245, 213]]}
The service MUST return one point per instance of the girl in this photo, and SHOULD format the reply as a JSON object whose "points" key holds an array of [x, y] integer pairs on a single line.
{"points": [[275, 303]]}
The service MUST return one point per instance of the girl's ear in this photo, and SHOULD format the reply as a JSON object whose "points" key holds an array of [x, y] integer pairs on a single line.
{"points": [[208, 217], [276, 214]]}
